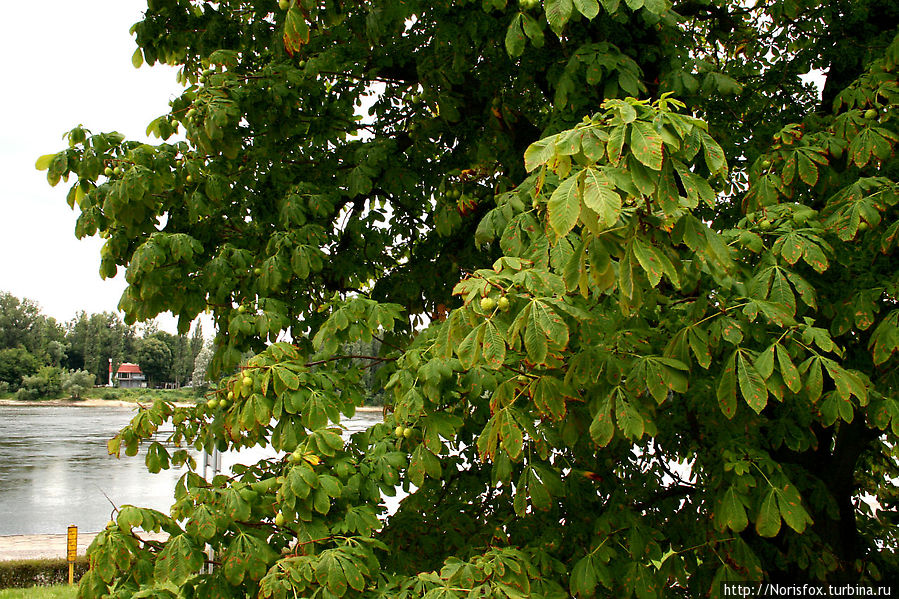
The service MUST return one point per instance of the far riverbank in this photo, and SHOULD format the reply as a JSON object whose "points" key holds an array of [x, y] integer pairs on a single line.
{"points": [[80, 403], [92, 402]]}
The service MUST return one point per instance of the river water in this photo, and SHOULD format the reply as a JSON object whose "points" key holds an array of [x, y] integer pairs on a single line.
{"points": [[54, 469]]}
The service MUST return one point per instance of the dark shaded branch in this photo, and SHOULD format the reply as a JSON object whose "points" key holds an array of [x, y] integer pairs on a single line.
{"points": [[668, 493]]}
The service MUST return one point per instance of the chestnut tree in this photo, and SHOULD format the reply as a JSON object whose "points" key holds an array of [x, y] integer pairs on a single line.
{"points": [[631, 267]]}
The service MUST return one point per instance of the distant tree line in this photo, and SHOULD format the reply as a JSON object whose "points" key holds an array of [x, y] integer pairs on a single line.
{"points": [[40, 357]]}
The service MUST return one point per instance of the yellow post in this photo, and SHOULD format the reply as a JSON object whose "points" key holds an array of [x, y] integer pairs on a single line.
{"points": [[72, 551]]}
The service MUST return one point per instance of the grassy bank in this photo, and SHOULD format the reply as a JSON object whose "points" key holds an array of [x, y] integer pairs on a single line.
{"points": [[186, 394], [59, 591], [25, 574]]}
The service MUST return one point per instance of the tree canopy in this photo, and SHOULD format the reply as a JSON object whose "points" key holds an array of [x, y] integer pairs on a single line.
{"points": [[632, 274], [23, 326]]}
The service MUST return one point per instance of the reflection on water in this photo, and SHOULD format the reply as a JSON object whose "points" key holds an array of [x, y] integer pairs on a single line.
{"points": [[54, 469]]}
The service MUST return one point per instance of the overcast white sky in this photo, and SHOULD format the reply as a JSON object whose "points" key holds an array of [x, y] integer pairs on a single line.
{"points": [[65, 63]]}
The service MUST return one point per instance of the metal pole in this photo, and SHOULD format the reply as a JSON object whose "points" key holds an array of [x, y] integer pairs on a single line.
{"points": [[212, 466]]}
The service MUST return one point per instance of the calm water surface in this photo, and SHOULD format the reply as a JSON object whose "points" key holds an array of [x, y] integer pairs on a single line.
{"points": [[54, 469]]}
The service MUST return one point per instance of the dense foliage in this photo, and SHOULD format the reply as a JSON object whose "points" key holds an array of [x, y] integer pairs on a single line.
{"points": [[630, 346]]}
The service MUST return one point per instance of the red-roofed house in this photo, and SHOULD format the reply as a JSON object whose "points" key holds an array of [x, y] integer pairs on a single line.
{"points": [[129, 376]]}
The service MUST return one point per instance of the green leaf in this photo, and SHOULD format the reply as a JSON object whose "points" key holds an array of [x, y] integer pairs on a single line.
{"points": [[285, 379], [611, 6], [179, 559], [646, 145], [550, 323], [808, 172], [806, 292], [583, 578], [550, 394], [814, 378], [588, 8], [494, 346], [629, 419], [616, 143], [469, 350], [727, 387], [697, 188], [649, 259], [330, 574], [512, 439], [730, 511], [539, 153], [667, 194], [780, 292], [790, 504], [602, 429], [201, 524], [535, 342], [557, 13], [601, 197], [787, 370], [538, 492], [846, 382], [764, 362], [699, 344], [626, 275], [43, 163], [885, 338], [767, 523], [533, 30], [296, 30], [564, 208], [714, 155], [752, 384], [515, 40]]}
